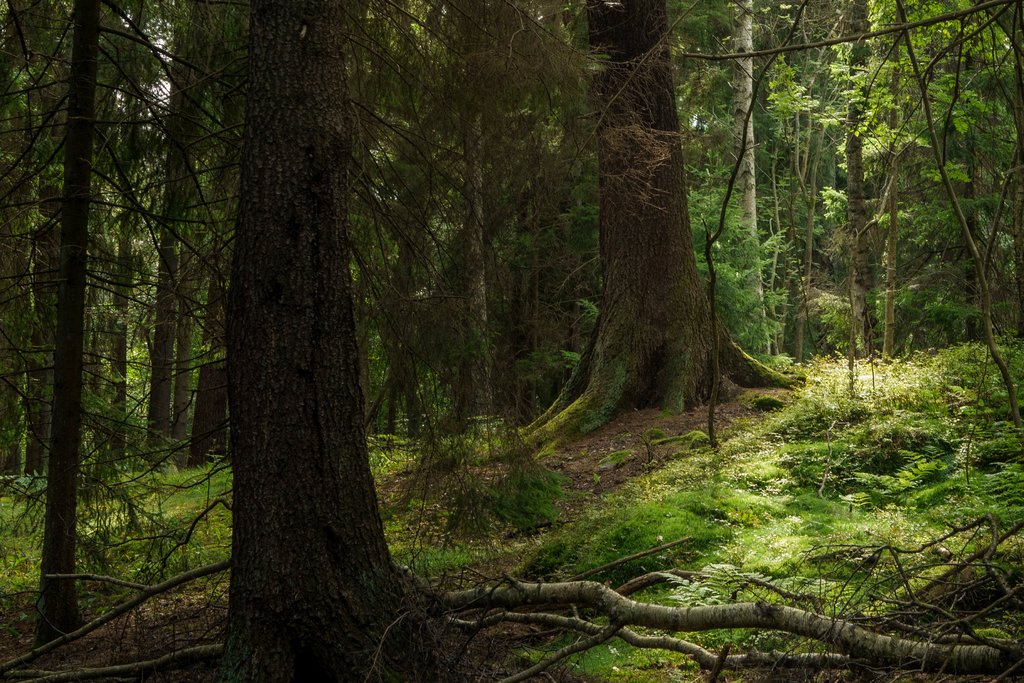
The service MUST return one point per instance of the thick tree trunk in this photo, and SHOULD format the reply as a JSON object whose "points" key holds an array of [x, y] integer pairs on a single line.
{"points": [[652, 345], [58, 601], [314, 594]]}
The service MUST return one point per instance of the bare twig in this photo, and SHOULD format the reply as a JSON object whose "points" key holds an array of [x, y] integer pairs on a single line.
{"points": [[629, 558], [578, 646]]}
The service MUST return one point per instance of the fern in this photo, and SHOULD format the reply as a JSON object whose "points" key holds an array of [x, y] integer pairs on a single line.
{"points": [[1006, 485], [720, 584]]}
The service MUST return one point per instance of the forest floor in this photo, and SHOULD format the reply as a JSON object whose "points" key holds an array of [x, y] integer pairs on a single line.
{"points": [[196, 615], [802, 483]]}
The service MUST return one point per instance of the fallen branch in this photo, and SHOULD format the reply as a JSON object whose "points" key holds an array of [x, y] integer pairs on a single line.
{"points": [[173, 660], [704, 658], [844, 636], [109, 616], [579, 646]]}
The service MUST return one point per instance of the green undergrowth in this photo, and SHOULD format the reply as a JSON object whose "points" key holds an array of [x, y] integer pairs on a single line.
{"points": [[143, 529], [802, 494]]}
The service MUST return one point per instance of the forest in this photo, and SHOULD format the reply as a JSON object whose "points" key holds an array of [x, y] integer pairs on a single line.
{"points": [[643, 341]]}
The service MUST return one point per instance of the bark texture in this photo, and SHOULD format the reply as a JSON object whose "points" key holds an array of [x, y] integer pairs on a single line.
{"points": [[652, 344], [58, 601], [313, 590]]}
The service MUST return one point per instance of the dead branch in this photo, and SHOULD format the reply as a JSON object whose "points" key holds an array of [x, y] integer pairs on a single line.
{"points": [[98, 578], [843, 635], [173, 660], [579, 646], [109, 616]]}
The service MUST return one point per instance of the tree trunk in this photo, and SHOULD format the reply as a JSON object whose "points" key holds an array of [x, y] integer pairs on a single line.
{"points": [[743, 132], [652, 344], [474, 393], [891, 244], [892, 234], [39, 363], [809, 184], [181, 398], [313, 591], [162, 356], [182, 375], [58, 601], [209, 421], [120, 360], [861, 332], [972, 296]]}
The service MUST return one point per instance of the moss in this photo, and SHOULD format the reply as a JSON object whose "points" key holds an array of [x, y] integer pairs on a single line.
{"points": [[605, 395], [615, 459], [690, 440], [767, 404]]}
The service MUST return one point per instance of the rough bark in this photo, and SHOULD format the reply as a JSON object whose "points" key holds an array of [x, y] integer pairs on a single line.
{"points": [[653, 339], [58, 602], [313, 591]]}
